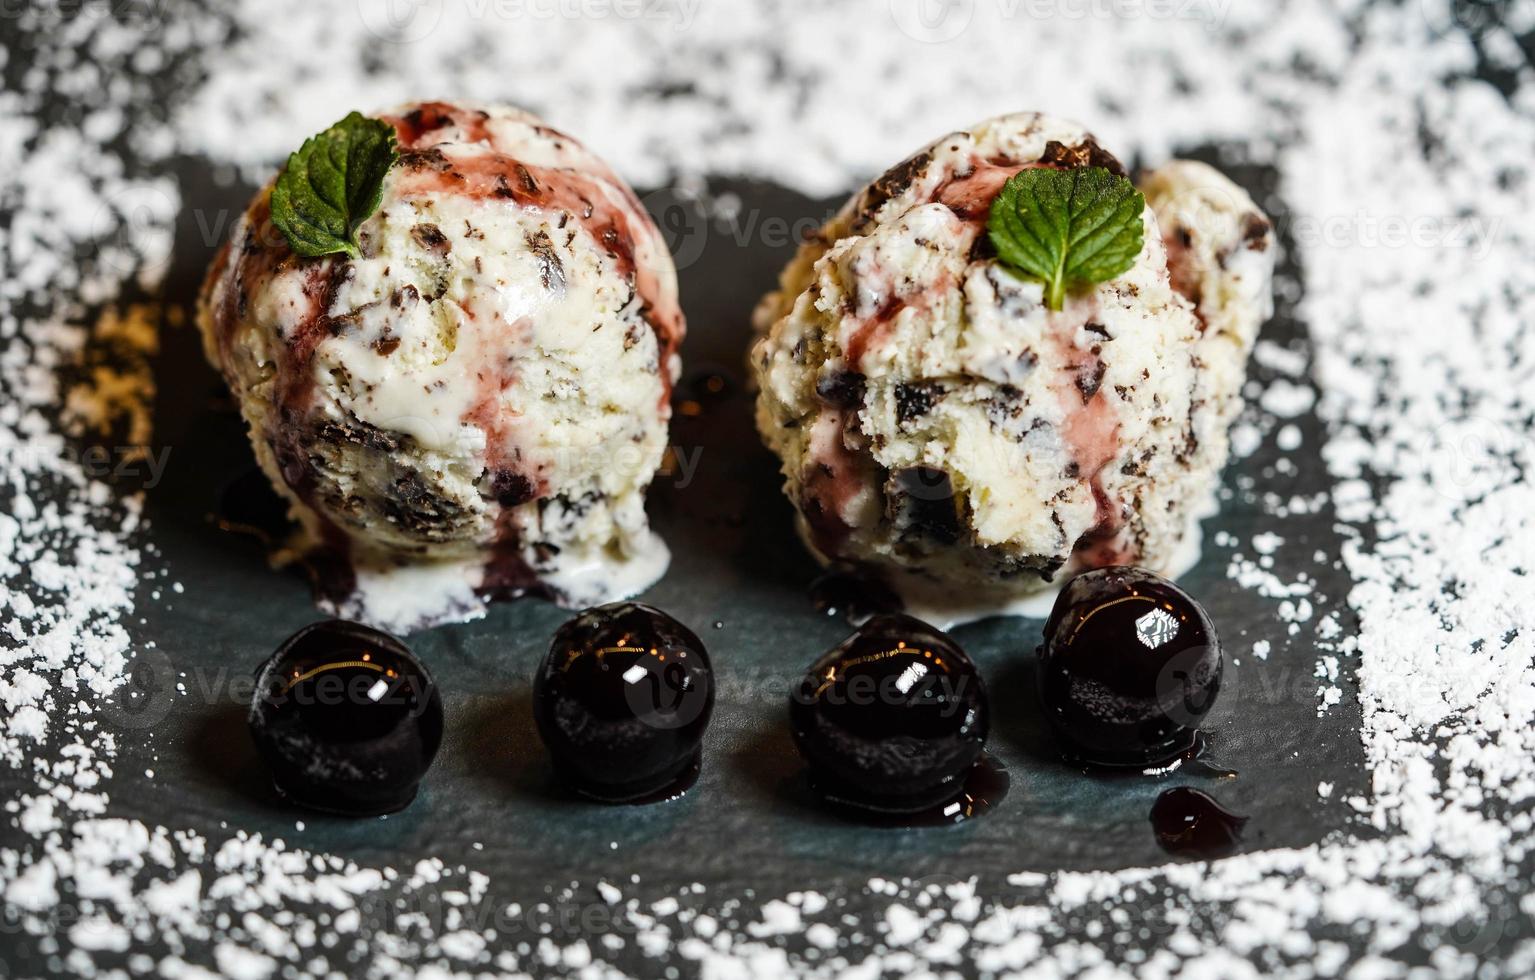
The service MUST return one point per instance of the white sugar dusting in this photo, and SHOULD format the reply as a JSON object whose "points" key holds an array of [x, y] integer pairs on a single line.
{"points": [[1406, 183]]}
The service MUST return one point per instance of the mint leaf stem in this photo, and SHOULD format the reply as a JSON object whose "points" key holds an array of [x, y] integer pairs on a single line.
{"points": [[1067, 227], [332, 184]]}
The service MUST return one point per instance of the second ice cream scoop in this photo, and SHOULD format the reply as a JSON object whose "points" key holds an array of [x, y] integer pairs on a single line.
{"points": [[941, 426]]}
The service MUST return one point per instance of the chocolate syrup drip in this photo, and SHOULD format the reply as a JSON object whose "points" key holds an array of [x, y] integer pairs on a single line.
{"points": [[1194, 760], [1197, 761], [985, 787], [507, 573], [1191, 823]]}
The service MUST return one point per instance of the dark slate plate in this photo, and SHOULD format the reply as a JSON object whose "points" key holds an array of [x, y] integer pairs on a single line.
{"points": [[748, 829]]}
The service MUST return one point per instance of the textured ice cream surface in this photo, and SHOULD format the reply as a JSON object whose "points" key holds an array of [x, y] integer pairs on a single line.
{"points": [[940, 427], [476, 405]]}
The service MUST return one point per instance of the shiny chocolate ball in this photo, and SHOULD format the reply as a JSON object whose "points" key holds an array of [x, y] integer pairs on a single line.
{"points": [[1129, 668], [892, 719], [622, 702], [346, 718]]}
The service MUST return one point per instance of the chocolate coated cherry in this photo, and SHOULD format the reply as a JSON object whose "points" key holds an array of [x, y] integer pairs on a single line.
{"points": [[622, 701], [1129, 668], [347, 719]]}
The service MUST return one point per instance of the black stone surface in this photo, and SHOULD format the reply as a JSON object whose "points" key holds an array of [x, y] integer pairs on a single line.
{"points": [[750, 828], [740, 575]]}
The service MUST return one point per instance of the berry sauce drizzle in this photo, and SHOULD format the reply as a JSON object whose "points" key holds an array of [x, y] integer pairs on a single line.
{"points": [[982, 790], [1188, 822]]}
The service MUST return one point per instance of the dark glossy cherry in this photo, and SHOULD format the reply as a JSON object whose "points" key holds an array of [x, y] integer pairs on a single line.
{"points": [[892, 719], [622, 702], [1189, 822], [1129, 668], [347, 719]]}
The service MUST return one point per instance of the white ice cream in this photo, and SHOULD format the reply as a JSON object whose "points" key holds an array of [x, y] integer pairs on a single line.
{"points": [[476, 406], [941, 427]]}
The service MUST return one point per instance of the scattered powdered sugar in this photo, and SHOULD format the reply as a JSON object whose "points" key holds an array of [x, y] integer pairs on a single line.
{"points": [[1406, 175]]}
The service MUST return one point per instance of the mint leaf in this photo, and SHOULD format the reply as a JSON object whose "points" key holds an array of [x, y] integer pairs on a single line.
{"points": [[332, 184], [1067, 227]]}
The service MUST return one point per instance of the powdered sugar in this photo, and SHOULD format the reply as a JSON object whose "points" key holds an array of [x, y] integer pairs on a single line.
{"points": [[1406, 180]]}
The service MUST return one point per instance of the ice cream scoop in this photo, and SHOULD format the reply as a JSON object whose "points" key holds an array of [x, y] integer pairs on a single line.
{"points": [[942, 427], [474, 404]]}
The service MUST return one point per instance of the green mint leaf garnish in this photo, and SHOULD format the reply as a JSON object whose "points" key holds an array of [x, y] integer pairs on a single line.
{"points": [[1067, 227], [332, 184]]}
